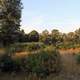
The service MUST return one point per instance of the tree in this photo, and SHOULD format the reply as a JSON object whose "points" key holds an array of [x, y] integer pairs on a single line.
{"points": [[33, 36], [70, 37], [45, 37], [56, 36], [45, 33], [64, 37], [77, 36], [48, 40], [22, 36], [10, 15]]}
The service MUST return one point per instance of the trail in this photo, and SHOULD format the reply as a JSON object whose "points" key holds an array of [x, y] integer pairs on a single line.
{"points": [[70, 70]]}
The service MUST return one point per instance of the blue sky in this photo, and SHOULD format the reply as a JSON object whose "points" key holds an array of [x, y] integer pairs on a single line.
{"points": [[50, 14]]}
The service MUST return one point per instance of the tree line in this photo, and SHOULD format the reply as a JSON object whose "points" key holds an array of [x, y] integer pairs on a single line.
{"points": [[10, 32]]}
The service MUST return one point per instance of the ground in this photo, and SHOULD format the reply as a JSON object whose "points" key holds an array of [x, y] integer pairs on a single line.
{"points": [[70, 70]]}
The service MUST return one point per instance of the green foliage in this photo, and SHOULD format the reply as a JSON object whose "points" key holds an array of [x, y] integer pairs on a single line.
{"points": [[43, 63], [19, 47], [35, 46], [33, 36], [77, 58], [68, 46], [56, 36], [45, 38], [7, 64], [10, 15]]}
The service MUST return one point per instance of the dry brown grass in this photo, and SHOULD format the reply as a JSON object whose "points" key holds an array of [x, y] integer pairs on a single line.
{"points": [[20, 54], [72, 50], [70, 70], [2, 51]]}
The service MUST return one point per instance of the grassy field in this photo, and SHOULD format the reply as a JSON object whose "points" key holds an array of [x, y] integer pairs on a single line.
{"points": [[70, 69]]}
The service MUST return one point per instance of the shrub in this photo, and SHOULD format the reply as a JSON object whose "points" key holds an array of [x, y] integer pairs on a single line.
{"points": [[35, 46], [78, 58], [7, 64], [43, 63], [19, 47]]}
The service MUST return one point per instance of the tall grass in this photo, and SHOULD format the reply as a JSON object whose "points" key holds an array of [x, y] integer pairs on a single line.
{"points": [[42, 62]]}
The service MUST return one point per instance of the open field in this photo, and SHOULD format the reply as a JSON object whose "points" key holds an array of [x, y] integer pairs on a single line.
{"points": [[39, 43], [70, 70]]}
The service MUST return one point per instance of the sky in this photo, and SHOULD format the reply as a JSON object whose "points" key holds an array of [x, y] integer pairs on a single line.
{"points": [[39, 15]]}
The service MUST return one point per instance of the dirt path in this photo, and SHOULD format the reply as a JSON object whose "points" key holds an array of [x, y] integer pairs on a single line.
{"points": [[70, 70]]}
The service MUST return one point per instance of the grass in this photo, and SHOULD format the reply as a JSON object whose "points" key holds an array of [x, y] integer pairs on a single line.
{"points": [[70, 69], [41, 62]]}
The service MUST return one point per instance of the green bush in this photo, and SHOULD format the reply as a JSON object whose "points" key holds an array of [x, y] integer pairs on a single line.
{"points": [[68, 46], [19, 47], [7, 64], [77, 58], [43, 63], [35, 46]]}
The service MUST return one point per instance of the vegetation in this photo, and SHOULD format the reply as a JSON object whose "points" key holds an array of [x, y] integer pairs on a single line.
{"points": [[10, 33], [42, 63], [42, 50], [77, 56], [7, 64], [10, 15]]}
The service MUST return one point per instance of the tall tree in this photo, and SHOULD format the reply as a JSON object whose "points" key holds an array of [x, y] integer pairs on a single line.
{"points": [[56, 36], [77, 36], [44, 36], [10, 17], [70, 37], [33, 36]]}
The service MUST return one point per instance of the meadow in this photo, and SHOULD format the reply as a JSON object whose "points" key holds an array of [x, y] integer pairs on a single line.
{"points": [[35, 56], [28, 62]]}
